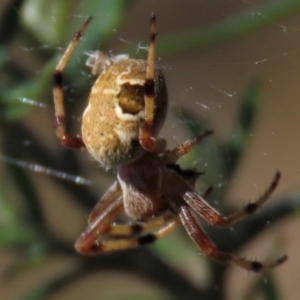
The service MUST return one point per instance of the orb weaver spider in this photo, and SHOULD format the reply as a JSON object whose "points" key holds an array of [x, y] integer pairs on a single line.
{"points": [[126, 109]]}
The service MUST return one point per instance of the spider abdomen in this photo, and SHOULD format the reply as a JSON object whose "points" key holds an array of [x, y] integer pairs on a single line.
{"points": [[115, 112]]}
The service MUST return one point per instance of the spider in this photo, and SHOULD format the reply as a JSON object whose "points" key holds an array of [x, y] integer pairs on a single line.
{"points": [[127, 107]]}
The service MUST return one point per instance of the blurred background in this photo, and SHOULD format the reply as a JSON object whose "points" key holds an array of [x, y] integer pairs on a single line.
{"points": [[232, 66]]}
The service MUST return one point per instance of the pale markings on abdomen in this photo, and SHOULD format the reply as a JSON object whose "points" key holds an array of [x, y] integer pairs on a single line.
{"points": [[132, 81], [126, 116]]}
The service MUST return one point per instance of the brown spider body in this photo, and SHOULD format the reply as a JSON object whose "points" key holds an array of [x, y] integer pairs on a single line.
{"points": [[127, 107], [149, 187], [116, 110]]}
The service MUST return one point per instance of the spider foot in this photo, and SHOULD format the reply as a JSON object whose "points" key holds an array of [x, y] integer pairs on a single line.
{"points": [[256, 266]]}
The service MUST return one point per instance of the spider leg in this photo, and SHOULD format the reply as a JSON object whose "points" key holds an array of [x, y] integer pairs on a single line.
{"points": [[145, 138], [113, 193], [130, 242], [131, 234], [106, 210], [60, 120], [202, 208], [211, 251], [87, 242], [140, 227], [171, 156]]}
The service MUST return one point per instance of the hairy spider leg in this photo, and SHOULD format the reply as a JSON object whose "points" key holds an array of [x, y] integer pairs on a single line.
{"points": [[211, 251], [87, 241], [121, 237], [139, 240], [112, 194], [146, 140], [210, 215], [101, 219], [100, 223], [140, 226], [171, 156], [134, 241], [100, 211], [60, 118]]}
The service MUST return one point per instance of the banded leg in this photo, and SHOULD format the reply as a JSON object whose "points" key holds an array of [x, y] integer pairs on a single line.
{"points": [[203, 209], [140, 227], [151, 224], [211, 251], [171, 156], [136, 241], [60, 119], [121, 237], [146, 140]]}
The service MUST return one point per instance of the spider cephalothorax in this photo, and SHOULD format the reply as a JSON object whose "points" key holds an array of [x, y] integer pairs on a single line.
{"points": [[126, 109]]}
